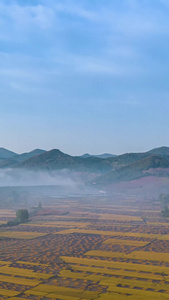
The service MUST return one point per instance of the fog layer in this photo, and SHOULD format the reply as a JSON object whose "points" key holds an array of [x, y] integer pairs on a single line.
{"points": [[20, 177]]}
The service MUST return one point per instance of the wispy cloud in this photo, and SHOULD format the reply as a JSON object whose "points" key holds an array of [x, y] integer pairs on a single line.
{"points": [[76, 9], [23, 17], [90, 65]]}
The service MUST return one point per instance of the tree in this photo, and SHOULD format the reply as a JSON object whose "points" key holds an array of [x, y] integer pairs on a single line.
{"points": [[165, 212], [164, 198], [39, 206], [22, 215]]}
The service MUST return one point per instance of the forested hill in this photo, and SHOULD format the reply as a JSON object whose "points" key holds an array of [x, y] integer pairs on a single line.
{"points": [[108, 167]]}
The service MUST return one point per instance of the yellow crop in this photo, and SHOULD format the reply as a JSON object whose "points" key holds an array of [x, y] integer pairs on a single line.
{"points": [[103, 271], [9, 293], [57, 290], [23, 272], [21, 235], [139, 255], [117, 233], [125, 242], [116, 265], [16, 280], [119, 217]]}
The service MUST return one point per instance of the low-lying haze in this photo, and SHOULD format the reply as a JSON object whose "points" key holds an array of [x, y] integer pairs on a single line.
{"points": [[21, 177]]}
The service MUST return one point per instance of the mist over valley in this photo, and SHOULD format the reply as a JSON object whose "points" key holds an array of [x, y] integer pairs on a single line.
{"points": [[139, 173]]}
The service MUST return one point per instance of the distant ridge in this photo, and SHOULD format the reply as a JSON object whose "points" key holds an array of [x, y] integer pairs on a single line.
{"points": [[28, 155], [50, 160], [57, 160], [12, 159], [104, 155]]}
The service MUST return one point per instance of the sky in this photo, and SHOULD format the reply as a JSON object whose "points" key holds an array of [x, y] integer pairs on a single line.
{"points": [[84, 75]]}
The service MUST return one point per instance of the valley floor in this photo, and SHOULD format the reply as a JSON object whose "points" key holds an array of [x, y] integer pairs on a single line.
{"points": [[107, 247]]}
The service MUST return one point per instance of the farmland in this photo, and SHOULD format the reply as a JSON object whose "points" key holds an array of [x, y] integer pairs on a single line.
{"points": [[112, 247]]}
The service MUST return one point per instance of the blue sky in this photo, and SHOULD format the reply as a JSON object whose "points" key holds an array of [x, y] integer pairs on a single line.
{"points": [[84, 75]]}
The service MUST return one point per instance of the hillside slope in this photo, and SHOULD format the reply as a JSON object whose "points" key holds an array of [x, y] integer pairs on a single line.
{"points": [[135, 170], [55, 159]]}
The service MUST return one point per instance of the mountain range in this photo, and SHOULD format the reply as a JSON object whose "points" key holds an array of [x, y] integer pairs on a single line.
{"points": [[105, 168]]}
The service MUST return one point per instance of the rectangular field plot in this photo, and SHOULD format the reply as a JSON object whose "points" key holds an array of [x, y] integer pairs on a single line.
{"points": [[22, 272], [164, 237], [132, 295], [8, 293], [158, 224], [128, 273], [122, 218], [145, 255], [18, 280], [21, 235], [78, 262], [42, 295], [104, 272], [17, 298], [125, 242], [55, 291], [139, 255]]}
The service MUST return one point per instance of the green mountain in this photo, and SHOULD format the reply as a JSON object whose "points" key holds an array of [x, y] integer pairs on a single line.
{"points": [[57, 160]]}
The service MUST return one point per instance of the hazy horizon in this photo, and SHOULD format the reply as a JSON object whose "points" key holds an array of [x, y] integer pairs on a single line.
{"points": [[80, 154]]}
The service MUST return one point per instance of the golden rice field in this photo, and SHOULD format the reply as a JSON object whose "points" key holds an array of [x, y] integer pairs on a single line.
{"points": [[20, 235], [89, 253], [125, 242], [141, 255], [118, 233]]}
